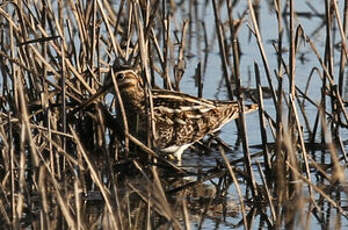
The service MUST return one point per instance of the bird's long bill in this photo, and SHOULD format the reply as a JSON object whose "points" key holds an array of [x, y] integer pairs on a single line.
{"points": [[100, 92]]}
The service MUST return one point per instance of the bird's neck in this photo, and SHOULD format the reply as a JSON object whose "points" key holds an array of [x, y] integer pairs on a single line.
{"points": [[134, 99]]}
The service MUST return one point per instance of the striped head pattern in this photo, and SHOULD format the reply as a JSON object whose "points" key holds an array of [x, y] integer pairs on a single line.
{"points": [[131, 88], [128, 79]]}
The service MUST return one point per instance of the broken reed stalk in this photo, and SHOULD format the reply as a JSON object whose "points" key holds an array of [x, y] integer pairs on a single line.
{"points": [[222, 48], [256, 32], [12, 173], [303, 148], [235, 181], [266, 154], [180, 65], [268, 193], [224, 57], [123, 113], [151, 134], [294, 123], [328, 59], [198, 78]]}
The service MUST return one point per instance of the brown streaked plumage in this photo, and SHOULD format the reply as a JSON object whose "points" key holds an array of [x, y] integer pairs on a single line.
{"points": [[180, 119]]}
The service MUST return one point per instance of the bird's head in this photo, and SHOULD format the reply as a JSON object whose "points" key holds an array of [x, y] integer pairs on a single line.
{"points": [[127, 80]]}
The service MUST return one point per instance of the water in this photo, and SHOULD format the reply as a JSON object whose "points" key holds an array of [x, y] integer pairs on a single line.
{"points": [[306, 60]]}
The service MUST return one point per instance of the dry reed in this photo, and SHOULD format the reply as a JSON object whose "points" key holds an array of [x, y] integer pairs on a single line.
{"points": [[67, 164]]}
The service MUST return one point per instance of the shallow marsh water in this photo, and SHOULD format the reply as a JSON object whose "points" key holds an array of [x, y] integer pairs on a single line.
{"points": [[306, 60]]}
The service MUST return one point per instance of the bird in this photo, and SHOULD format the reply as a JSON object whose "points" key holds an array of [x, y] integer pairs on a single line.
{"points": [[179, 119]]}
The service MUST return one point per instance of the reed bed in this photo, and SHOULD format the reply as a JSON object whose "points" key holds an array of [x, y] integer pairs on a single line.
{"points": [[66, 165]]}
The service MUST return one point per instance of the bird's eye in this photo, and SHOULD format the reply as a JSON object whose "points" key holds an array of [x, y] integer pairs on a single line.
{"points": [[120, 77]]}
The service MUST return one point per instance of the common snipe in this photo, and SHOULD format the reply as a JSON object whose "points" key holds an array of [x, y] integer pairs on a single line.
{"points": [[179, 119]]}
